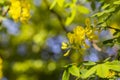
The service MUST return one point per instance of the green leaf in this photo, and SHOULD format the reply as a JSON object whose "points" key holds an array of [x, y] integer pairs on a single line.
{"points": [[83, 71], [90, 72], [111, 79], [1, 1], [98, 14], [60, 2], [102, 70], [74, 70], [70, 18], [90, 63], [105, 6], [116, 2], [115, 62], [65, 75], [109, 10], [114, 67], [74, 1], [53, 4], [108, 41], [83, 9]]}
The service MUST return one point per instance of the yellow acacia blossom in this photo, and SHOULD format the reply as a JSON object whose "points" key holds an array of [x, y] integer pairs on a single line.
{"points": [[79, 35], [89, 31], [111, 74], [20, 10], [64, 45]]}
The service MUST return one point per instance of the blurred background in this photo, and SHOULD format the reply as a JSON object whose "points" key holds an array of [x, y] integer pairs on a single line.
{"points": [[32, 51]]}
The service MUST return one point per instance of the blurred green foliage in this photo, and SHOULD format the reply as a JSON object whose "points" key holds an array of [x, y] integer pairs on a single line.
{"points": [[32, 50]]}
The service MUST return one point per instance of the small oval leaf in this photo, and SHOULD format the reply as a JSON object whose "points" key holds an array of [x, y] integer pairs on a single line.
{"points": [[65, 75], [74, 70], [90, 63], [90, 72], [102, 70]]}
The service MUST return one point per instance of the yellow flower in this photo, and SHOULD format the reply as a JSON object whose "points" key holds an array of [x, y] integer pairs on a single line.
{"points": [[87, 22], [15, 9], [90, 32], [78, 36], [64, 45], [24, 15], [70, 37], [20, 10], [111, 74], [76, 39]]}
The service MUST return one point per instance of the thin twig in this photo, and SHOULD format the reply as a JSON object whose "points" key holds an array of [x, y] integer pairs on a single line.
{"points": [[96, 46], [113, 28]]}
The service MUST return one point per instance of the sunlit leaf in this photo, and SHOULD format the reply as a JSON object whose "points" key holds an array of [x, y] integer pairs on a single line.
{"points": [[114, 67], [116, 2], [60, 2], [90, 63], [83, 71], [2, 2], [98, 14], [115, 62], [83, 9], [53, 4], [74, 1], [105, 6], [70, 18], [90, 72], [109, 10], [102, 70], [65, 75], [74, 70]]}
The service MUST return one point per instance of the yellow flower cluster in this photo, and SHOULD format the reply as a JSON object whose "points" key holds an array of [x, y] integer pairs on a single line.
{"points": [[20, 10], [79, 35], [111, 74], [89, 31]]}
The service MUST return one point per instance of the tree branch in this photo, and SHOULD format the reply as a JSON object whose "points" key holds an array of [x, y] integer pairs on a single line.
{"points": [[113, 28]]}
